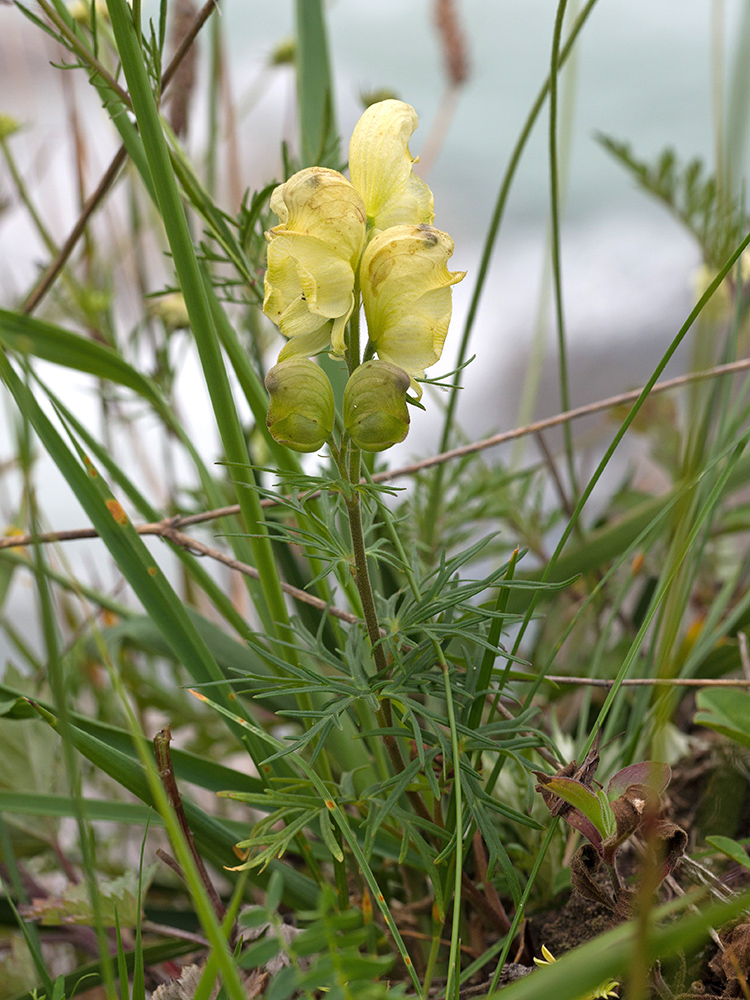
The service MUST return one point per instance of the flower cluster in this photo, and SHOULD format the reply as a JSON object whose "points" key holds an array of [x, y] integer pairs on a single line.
{"points": [[339, 242]]}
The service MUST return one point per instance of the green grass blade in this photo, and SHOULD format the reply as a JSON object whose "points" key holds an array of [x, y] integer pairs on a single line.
{"points": [[609, 955], [191, 282], [62, 806], [318, 140], [494, 227], [251, 385], [122, 966], [562, 346], [63, 347], [195, 569], [32, 943], [188, 766], [59, 686], [214, 839], [90, 975], [125, 545]]}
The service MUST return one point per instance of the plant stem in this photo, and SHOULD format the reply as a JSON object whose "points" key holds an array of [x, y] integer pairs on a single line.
{"points": [[70, 39], [362, 576], [555, 227], [167, 777], [364, 586]]}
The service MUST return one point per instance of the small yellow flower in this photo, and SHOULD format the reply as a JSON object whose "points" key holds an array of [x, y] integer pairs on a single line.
{"points": [[406, 291], [604, 991], [313, 255], [380, 166]]}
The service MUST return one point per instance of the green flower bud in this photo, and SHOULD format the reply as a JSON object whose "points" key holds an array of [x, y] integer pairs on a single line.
{"points": [[302, 409], [285, 53], [8, 125], [375, 412], [171, 310]]}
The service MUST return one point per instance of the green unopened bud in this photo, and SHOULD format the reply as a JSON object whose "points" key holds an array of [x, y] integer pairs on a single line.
{"points": [[301, 412], [285, 53], [80, 10], [375, 412], [8, 125], [171, 310]]}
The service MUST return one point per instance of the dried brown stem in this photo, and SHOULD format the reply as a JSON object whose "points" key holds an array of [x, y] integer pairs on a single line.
{"points": [[169, 527], [497, 913], [166, 529], [549, 459], [651, 681], [427, 463], [110, 174], [168, 780], [174, 932]]}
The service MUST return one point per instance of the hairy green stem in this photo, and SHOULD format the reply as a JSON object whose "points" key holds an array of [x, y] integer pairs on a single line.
{"points": [[454, 961], [364, 586]]}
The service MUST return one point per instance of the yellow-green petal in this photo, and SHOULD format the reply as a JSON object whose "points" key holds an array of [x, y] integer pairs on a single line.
{"points": [[312, 257], [380, 166], [406, 292], [321, 202], [325, 280]]}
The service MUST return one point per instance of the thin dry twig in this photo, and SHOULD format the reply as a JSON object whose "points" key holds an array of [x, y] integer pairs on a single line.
{"points": [[651, 681], [498, 439], [47, 279], [415, 467], [169, 528], [549, 459], [167, 777], [744, 654]]}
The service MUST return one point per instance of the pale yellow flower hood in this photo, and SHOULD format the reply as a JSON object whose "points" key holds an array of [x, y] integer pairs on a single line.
{"points": [[313, 255], [380, 166], [406, 292]]}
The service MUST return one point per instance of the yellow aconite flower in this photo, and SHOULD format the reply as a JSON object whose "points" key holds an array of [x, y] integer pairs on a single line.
{"points": [[313, 255], [380, 166], [314, 252], [407, 296]]}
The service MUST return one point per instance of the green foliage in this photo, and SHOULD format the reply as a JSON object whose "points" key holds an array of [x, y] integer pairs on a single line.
{"points": [[725, 711], [361, 707], [692, 194], [335, 952]]}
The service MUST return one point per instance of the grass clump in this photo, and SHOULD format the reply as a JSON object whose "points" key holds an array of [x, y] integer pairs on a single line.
{"points": [[379, 696]]}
